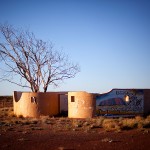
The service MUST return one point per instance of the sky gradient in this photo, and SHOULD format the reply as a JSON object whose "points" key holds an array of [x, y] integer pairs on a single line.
{"points": [[110, 39]]}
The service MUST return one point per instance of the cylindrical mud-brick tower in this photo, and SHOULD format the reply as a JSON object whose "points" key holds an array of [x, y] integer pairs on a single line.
{"points": [[81, 105]]}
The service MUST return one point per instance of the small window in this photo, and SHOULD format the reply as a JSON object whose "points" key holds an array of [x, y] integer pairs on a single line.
{"points": [[72, 99], [33, 99]]}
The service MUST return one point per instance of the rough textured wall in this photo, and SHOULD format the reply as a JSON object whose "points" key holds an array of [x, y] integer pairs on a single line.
{"points": [[23, 105], [29, 104], [146, 101], [81, 105]]}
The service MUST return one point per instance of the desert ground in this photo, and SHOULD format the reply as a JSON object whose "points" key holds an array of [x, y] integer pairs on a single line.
{"points": [[62, 133]]}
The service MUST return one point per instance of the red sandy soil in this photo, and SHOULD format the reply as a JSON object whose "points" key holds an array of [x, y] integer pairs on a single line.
{"points": [[74, 140]]}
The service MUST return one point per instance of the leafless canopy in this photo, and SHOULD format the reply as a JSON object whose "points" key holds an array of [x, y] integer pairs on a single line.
{"points": [[32, 59]]}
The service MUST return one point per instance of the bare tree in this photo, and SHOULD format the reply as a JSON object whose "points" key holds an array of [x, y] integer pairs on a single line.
{"points": [[32, 59]]}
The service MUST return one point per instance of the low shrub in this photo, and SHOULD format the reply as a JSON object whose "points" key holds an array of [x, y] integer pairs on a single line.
{"points": [[111, 125], [99, 122], [128, 124], [77, 123], [146, 122]]}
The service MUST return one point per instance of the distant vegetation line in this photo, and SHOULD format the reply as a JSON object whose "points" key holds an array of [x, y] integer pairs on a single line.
{"points": [[6, 98]]}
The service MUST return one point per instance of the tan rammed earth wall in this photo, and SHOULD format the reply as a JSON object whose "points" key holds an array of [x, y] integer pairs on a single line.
{"points": [[83, 106], [29, 104], [48, 103], [23, 106]]}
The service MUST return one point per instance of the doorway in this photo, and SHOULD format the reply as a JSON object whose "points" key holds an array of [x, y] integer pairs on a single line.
{"points": [[63, 101]]}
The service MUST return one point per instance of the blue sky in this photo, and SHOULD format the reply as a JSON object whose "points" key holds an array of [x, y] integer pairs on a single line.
{"points": [[110, 39]]}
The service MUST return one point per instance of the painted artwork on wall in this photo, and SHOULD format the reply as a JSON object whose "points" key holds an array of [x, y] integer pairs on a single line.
{"points": [[120, 101]]}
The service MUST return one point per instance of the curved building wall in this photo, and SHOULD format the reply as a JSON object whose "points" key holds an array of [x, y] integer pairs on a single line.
{"points": [[24, 105], [29, 104], [81, 105]]}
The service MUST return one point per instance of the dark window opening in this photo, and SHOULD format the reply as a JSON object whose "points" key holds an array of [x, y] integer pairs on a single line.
{"points": [[33, 99], [72, 99]]}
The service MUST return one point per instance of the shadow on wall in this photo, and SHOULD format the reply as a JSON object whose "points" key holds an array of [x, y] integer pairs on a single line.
{"points": [[17, 96]]}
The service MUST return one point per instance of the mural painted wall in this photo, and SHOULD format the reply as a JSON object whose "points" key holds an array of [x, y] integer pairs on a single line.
{"points": [[120, 101]]}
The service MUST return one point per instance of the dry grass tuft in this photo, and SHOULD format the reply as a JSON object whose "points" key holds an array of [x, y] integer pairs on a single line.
{"points": [[44, 119], [137, 122], [111, 125], [128, 124], [146, 122], [77, 123], [99, 122], [6, 112]]}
